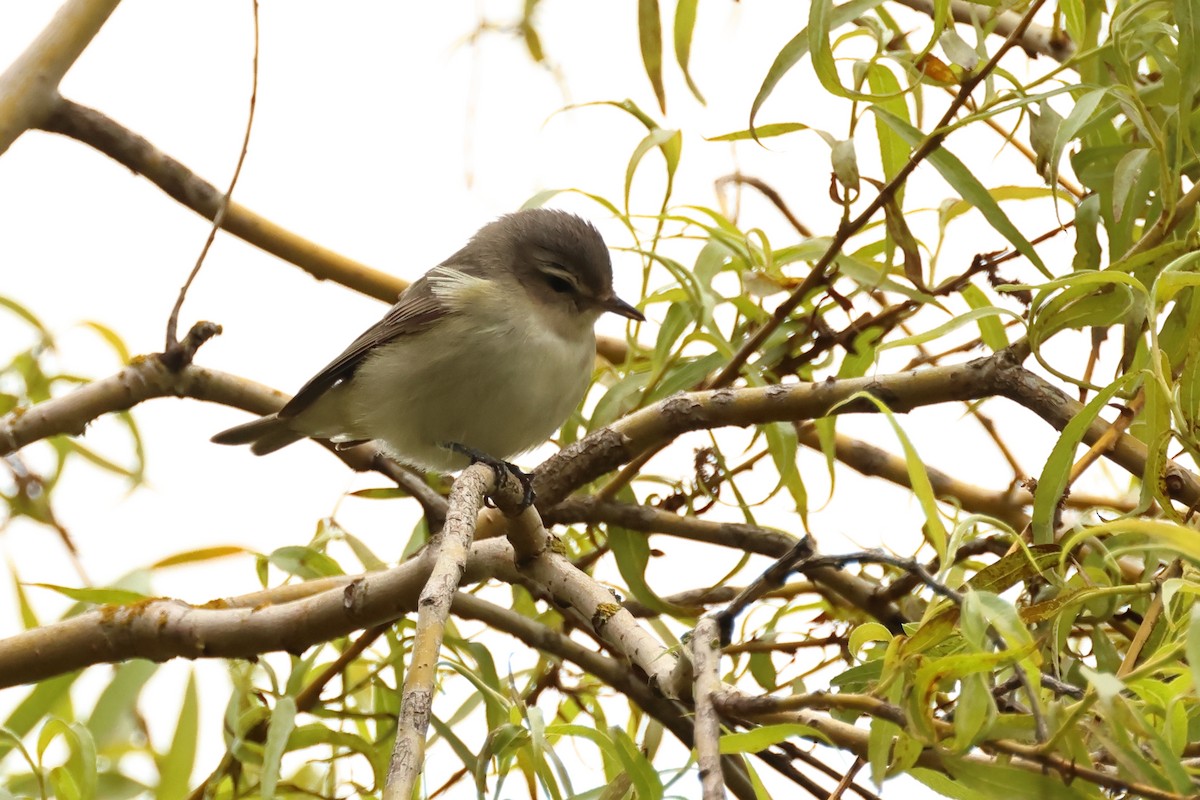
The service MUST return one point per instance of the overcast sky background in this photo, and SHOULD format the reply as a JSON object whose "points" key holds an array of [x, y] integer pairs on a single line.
{"points": [[382, 134]]}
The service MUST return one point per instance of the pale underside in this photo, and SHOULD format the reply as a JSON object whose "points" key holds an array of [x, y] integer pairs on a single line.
{"points": [[500, 383]]}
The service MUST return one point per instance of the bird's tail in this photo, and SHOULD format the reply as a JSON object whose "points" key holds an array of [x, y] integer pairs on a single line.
{"points": [[264, 435]]}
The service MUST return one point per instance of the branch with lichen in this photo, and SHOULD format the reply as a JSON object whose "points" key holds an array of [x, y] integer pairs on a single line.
{"points": [[706, 659], [448, 550]]}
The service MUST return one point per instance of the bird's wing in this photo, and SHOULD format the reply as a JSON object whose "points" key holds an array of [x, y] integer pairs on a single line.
{"points": [[419, 307]]}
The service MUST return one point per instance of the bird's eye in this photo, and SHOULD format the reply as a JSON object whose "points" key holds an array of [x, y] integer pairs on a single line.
{"points": [[558, 278]]}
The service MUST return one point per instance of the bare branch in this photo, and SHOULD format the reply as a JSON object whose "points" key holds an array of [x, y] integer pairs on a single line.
{"points": [[173, 319]]}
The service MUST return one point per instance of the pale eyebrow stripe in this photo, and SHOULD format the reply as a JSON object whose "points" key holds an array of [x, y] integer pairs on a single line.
{"points": [[558, 272]]}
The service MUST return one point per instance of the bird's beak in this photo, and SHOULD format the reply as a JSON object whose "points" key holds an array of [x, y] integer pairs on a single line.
{"points": [[618, 306]]}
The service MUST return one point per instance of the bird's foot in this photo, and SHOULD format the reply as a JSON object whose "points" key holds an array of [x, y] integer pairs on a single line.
{"points": [[499, 467]]}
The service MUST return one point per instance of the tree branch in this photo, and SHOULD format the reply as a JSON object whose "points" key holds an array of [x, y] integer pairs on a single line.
{"points": [[448, 550], [29, 87], [706, 655]]}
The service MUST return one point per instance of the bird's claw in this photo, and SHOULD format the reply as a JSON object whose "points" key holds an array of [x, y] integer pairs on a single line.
{"points": [[499, 467]]}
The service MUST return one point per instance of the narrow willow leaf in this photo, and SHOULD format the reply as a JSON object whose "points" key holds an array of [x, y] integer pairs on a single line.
{"points": [[760, 738], [1125, 177], [94, 596], [175, 766], [934, 530], [1057, 469], [1192, 646], [991, 330], [798, 46], [670, 142], [201, 554], [893, 151], [685, 24], [646, 780], [968, 186], [111, 337], [279, 729], [305, 562], [761, 132], [902, 237], [1079, 116], [113, 717], [650, 38], [998, 781], [1016, 567], [632, 554]]}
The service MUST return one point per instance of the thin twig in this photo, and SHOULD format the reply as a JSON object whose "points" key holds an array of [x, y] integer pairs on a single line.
{"points": [[223, 207]]}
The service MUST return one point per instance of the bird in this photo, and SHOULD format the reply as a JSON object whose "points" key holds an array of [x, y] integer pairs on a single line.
{"points": [[481, 359]]}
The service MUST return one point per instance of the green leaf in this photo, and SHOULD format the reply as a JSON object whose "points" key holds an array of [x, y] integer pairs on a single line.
{"points": [[1016, 567], [200, 555], [279, 730], [1057, 469], [115, 597], [77, 777], [685, 24], [650, 38], [21, 311], [305, 562], [893, 152], [867, 632], [798, 47], [631, 551], [760, 738], [998, 781], [113, 717], [968, 187], [670, 142], [645, 778], [382, 493], [991, 330], [918, 476], [176, 765], [761, 132]]}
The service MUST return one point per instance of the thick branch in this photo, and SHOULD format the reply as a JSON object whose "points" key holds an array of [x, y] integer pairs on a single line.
{"points": [[159, 629]]}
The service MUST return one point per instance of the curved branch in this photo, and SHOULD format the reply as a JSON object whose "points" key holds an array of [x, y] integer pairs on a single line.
{"points": [[91, 127], [1000, 374], [127, 148]]}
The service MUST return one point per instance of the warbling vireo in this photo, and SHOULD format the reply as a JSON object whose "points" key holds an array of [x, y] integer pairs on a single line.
{"points": [[488, 352]]}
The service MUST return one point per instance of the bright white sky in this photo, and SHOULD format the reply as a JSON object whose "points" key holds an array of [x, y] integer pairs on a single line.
{"points": [[382, 134]]}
